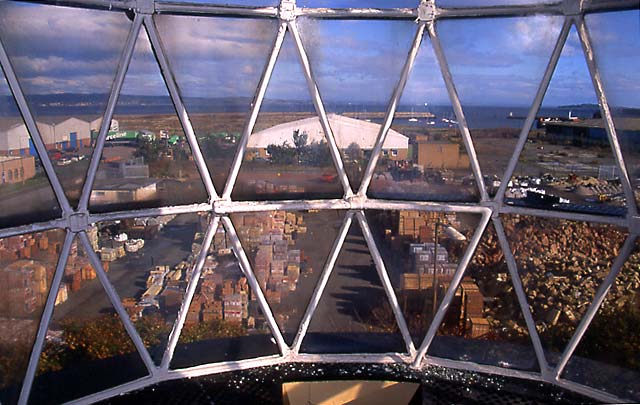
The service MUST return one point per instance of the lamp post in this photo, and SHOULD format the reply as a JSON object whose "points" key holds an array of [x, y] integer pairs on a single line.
{"points": [[453, 234]]}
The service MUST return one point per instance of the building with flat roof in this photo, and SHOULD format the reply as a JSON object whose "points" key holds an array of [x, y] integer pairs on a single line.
{"points": [[346, 130], [441, 155], [16, 169]]}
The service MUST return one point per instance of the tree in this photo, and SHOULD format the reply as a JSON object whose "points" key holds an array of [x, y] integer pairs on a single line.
{"points": [[300, 143], [353, 151]]}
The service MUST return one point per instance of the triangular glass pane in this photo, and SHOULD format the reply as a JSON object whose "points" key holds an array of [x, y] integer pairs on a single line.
{"points": [[288, 251], [66, 72], [496, 77], [561, 264], [147, 161], [21, 172], [435, 165], [354, 314], [149, 262], [86, 341], [406, 242], [217, 63], [224, 321], [618, 57], [567, 163], [356, 73], [484, 323], [27, 265], [287, 154], [608, 356]]}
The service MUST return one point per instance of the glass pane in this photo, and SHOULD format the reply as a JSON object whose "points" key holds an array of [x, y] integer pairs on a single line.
{"points": [[406, 241], [66, 72], [27, 264], [608, 356], [288, 251], [561, 264], [618, 56], [356, 73], [567, 163], [436, 165], [497, 66], [258, 3], [484, 323], [86, 341], [224, 321], [217, 63], [26, 195], [353, 315], [147, 161], [149, 262], [287, 154]]}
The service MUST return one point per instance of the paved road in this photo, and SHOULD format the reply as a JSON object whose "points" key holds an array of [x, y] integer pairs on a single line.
{"points": [[128, 274]]}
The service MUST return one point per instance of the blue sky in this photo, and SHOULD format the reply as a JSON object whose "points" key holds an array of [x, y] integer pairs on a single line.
{"points": [[493, 61]]}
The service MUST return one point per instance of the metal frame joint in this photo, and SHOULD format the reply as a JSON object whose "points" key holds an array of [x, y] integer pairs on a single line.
{"points": [[287, 10], [634, 224], [494, 206], [572, 7], [146, 7], [357, 201], [78, 221], [427, 11]]}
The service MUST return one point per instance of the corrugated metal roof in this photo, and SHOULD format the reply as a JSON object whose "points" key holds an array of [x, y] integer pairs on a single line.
{"points": [[346, 130]]}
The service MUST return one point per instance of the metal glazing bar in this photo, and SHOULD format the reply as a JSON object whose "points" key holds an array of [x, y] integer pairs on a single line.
{"points": [[457, 108], [482, 368], [382, 358], [32, 127], [500, 11], [117, 303], [245, 265], [167, 74], [215, 10], [225, 367], [391, 110], [375, 204], [537, 101], [190, 291], [522, 297], [121, 72], [123, 5], [598, 299], [322, 282], [116, 391], [36, 227], [226, 207], [255, 109], [45, 319], [386, 282], [591, 392], [358, 13], [322, 114], [453, 286], [149, 212], [609, 125], [609, 5], [573, 216]]}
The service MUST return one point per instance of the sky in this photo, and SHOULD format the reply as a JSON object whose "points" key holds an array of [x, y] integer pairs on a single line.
{"points": [[493, 61]]}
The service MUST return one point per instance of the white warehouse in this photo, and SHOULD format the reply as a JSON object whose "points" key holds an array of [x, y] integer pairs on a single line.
{"points": [[59, 133], [346, 131]]}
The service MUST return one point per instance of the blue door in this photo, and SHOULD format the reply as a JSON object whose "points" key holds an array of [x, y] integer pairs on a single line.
{"points": [[32, 148], [65, 145], [74, 140]]}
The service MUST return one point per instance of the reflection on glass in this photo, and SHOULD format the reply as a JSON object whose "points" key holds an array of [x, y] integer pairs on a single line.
{"points": [[618, 57], [482, 3], [147, 161], [567, 163], [287, 251], [26, 195], [27, 264], [356, 3], [287, 154], [484, 323], [149, 262], [66, 72], [86, 340], [561, 264], [608, 356], [496, 77], [353, 315], [224, 321], [356, 74], [217, 63], [412, 245]]}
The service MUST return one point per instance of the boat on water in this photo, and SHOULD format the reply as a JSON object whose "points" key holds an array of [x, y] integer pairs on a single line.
{"points": [[133, 245], [413, 119], [431, 123]]}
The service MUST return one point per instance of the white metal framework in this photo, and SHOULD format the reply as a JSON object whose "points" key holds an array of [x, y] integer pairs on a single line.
{"points": [[77, 220]]}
